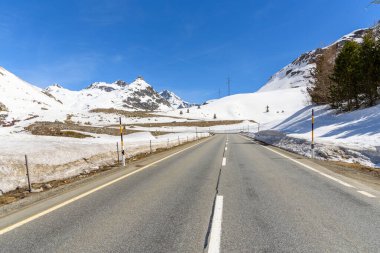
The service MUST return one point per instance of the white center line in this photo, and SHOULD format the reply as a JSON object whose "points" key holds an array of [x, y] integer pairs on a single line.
{"points": [[367, 194], [224, 161], [216, 228], [225, 148]]}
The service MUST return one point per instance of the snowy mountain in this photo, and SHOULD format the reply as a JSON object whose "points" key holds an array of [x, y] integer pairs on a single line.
{"points": [[297, 74], [20, 100], [138, 95], [174, 100]]}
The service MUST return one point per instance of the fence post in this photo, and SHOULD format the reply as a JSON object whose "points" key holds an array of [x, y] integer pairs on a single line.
{"points": [[150, 146], [27, 173]]}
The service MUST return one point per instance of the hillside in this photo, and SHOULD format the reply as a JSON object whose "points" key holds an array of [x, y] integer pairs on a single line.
{"points": [[20, 100], [297, 74]]}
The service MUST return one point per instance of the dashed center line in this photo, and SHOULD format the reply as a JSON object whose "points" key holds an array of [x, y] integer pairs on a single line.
{"points": [[216, 228], [224, 162]]}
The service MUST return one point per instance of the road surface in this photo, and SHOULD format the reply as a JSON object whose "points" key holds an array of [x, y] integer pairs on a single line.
{"points": [[226, 194]]}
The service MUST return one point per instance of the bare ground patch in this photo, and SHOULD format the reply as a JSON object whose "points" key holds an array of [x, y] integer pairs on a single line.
{"points": [[134, 114], [68, 129], [191, 123]]}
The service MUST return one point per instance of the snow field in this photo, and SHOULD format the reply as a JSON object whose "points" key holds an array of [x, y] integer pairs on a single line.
{"points": [[52, 158]]}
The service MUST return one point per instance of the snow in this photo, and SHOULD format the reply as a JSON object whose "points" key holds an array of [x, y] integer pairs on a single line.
{"points": [[251, 106], [23, 99], [104, 95], [52, 158], [174, 100], [352, 137], [282, 80]]}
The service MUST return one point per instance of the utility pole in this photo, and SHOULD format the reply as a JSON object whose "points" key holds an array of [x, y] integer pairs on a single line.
{"points": [[122, 143]]}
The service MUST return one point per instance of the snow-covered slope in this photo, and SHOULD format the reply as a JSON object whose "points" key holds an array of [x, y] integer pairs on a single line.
{"points": [[21, 100], [251, 106], [298, 73], [174, 100], [138, 95]]}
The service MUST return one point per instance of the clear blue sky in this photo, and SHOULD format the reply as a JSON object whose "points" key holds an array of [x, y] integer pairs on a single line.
{"points": [[188, 46]]}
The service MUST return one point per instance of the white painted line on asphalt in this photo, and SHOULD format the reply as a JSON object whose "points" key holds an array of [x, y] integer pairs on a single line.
{"points": [[367, 194], [216, 227], [311, 168], [225, 148], [224, 161], [51, 209], [323, 174]]}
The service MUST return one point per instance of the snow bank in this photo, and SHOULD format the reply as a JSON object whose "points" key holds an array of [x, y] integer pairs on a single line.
{"points": [[53, 158], [350, 137]]}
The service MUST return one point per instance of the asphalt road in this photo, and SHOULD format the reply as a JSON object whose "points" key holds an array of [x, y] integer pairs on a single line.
{"points": [[265, 202]]}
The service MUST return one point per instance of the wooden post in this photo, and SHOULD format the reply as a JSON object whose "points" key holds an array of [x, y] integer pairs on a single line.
{"points": [[122, 143], [312, 133], [117, 150], [27, 173]]}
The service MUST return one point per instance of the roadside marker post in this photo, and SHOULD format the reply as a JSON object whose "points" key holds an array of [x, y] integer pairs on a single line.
{"points": [[150, 146], [122, 143], [117, 150], [27, 174], [312, 134]]}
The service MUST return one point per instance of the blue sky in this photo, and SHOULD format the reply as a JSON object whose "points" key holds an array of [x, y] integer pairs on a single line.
{"points": [[187, 46]]}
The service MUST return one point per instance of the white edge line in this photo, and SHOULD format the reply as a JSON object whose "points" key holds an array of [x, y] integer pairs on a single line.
{"points": [[224, 161], [51, 209], [216, 227], [367, 194], [311, 168]]}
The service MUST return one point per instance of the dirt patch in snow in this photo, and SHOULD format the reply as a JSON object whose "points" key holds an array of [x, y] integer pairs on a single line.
{"points": [[67, 129], [191, 123], [134, 114]]}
